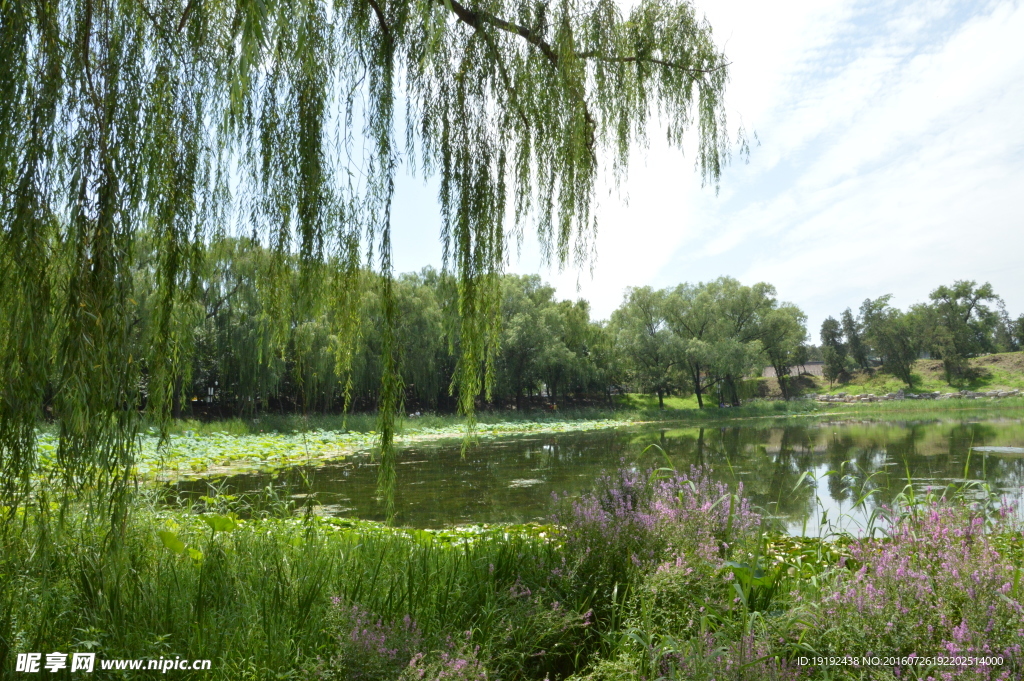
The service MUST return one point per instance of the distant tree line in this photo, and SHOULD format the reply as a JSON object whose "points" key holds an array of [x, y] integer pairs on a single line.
{"points": [[259, 344], [261, 338], [705, 337], [957, 323]]}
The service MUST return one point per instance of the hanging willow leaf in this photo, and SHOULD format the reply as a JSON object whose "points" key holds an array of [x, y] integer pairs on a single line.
{"points": [[136, 134]]}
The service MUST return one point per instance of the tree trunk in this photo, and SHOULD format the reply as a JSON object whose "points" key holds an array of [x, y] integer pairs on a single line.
{"points": [[696, 387], [661, 400], [782, 381], [734, 398]]}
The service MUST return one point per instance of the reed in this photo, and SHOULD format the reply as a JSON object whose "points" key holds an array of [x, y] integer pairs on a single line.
{"points": [[655, 575]]}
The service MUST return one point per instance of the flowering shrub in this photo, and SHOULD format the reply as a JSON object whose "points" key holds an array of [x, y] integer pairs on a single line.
{"points": [[368, 648], [705, 657], [634, 522], [453, 665], [536, 637], [934, 587]]}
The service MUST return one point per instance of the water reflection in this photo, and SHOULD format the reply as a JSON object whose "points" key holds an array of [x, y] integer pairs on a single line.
{"points": [[805, 475]]}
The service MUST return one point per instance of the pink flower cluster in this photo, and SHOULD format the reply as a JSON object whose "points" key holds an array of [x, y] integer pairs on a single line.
{"points": [[458, 666], [647, 521], [367, 645], [933, 587]]}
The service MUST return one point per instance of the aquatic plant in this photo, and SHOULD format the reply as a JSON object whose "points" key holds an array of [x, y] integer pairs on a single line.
{"points": [[935, 586], [635, 521], [367, 646]]}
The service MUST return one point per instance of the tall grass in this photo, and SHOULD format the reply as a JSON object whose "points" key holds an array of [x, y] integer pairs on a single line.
{"points": [[258, 596], [652, 575]]}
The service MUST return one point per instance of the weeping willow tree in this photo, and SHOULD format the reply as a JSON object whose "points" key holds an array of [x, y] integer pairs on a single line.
{"points": [[157, 126]]}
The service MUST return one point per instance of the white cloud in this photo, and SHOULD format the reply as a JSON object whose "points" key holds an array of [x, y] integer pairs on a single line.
{"points": [[893, 174], [890, 160]]}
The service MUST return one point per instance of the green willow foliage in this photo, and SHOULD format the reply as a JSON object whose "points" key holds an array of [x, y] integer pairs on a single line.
{"points": [[136, 131], [544, 343]]}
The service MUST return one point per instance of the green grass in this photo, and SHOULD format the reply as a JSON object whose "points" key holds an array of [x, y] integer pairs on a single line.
{"points": [[274, 595], [1012, 407], [254, 597], [649, 403], [991, 372]]}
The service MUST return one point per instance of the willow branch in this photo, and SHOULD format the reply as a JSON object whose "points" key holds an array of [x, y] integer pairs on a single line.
{"points": [[503, 73], [476, 19], [651, 60], [185, 14], [149, 14], [384, 28]]}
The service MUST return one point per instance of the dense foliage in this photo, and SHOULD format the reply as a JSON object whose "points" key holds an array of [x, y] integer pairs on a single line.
{"points": [[956, 324], [262, 347], [652, 575], [135, 136]]}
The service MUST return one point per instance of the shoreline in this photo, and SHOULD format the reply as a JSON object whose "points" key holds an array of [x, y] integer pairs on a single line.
{"points": [[192, 456]]}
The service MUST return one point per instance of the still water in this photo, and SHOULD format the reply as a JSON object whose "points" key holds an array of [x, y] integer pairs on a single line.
{"points": [[514, 479]]}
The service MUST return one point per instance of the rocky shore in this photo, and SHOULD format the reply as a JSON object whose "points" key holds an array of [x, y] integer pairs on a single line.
{"points": [[901, 395]]}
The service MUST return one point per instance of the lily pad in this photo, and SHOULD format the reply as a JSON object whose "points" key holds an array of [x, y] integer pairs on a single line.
{"points": [[1000, 450]]}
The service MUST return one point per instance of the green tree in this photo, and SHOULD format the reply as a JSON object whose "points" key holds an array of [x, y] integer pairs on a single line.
{"points": [[692, 313], [832, 336], [834, 364], [894, 335], [1008, 336], [128, 120], [717, 326], [852, 330], [1016, 331], [965, 325], [566, 364], [525, 335], [783, 331], [605, 360], [801, 357], [650, 349], [744, 310]]}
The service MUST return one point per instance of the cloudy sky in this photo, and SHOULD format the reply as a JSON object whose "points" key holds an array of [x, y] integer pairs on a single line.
{"points": [[891, 160]]}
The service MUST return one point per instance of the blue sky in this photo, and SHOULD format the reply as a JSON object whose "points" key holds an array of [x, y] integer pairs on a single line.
{"points": [[891, 160]]}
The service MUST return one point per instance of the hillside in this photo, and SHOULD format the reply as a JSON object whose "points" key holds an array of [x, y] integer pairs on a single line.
{"points": [[990, 372]]}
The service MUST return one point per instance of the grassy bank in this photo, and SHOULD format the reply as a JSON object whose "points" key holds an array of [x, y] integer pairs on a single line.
{"points": [[634, 409], [666, 578], [1003, 371], [272, 443]]}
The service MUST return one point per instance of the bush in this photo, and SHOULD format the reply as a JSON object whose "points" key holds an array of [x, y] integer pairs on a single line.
{"points": [[537, 637], [636, 521], [461, 664], [934, 587], [367, 647]]}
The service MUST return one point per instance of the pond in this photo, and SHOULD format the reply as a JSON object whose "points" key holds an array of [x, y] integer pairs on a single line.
{"points": [[809, 476]]}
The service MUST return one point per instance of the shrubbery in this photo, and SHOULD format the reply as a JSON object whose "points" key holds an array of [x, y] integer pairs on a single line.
{"points": [[671, 577], [635, 522], [650, 576], [935, 587]]}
